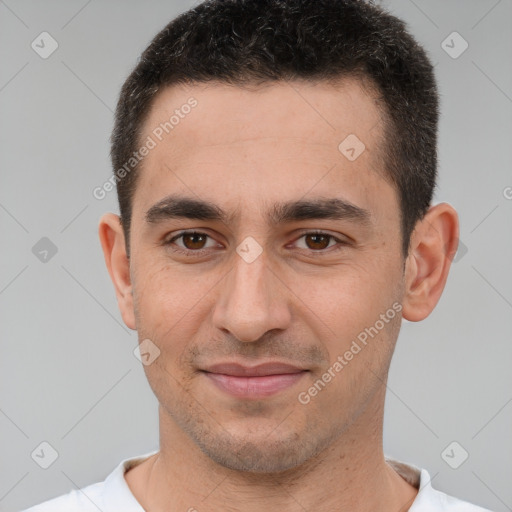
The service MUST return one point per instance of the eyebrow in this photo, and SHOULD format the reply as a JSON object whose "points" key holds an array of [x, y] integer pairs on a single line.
{"points": [[174, 206]]}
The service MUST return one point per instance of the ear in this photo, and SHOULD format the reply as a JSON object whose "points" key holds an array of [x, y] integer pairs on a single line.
{"points": [[112, 241], [434, 243]]}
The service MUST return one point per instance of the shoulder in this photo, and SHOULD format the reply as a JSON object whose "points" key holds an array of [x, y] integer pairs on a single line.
{"points": [[429, 499], [432, 499], [87, 499], [110, 495]]}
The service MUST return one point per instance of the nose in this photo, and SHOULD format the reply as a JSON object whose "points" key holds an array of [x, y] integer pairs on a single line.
{"points": [[252, 300]]}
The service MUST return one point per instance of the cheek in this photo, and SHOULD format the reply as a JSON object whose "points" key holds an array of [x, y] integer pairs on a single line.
{"points": [[346, 299], [170, 309], [170, 301], [344, 310]]}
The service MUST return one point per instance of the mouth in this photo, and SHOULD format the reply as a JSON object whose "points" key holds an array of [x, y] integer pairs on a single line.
{"points": [[253, 382]]}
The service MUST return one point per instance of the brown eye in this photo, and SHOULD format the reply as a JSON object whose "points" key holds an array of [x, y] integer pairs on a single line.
{"points": [[191, 243], [194, 241], [317, 242]]}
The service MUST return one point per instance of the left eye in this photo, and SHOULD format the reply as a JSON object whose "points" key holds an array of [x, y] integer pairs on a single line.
{"points": [[318, 241]]}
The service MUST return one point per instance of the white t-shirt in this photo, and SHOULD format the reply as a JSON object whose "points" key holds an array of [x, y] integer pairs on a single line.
{"points": [[114, 495]]}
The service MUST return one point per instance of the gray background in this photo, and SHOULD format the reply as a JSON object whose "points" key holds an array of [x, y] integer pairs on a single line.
{"points": [[68, 373]]}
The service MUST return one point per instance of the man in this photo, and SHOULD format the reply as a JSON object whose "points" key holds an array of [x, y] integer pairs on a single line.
{"points": [[275, 162]]}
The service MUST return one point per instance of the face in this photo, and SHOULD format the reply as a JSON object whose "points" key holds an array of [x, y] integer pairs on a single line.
{"points": [[255, 239]]}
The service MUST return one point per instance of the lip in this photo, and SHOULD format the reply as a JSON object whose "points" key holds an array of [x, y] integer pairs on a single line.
{"points": [[259, 370], [253, 382]]}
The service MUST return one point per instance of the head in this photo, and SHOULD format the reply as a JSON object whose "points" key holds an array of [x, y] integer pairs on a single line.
{"points": [[239, 43], [297, 140]]}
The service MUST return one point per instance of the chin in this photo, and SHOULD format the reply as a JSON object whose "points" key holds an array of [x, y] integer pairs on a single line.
{"points": [[261, 452]]}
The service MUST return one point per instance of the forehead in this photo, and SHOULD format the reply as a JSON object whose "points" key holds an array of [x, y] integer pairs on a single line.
{"points": [[260, 144], [225, 113]]}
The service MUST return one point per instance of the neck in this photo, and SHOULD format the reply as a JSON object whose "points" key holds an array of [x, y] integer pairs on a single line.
{"points": [[350, 474]]}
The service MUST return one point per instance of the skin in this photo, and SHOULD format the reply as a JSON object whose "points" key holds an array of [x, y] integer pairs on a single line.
{"points": [[245, 149]]}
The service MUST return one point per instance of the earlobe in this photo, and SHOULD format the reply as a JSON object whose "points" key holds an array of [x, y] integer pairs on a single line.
{"points": [[433, 245], [114, 250]]}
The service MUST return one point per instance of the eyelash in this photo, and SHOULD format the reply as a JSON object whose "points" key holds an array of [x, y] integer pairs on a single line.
{"points": [[200, 252]]}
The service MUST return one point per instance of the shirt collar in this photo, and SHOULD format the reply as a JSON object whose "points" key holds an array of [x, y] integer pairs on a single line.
{"points": [[118, 496]]}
